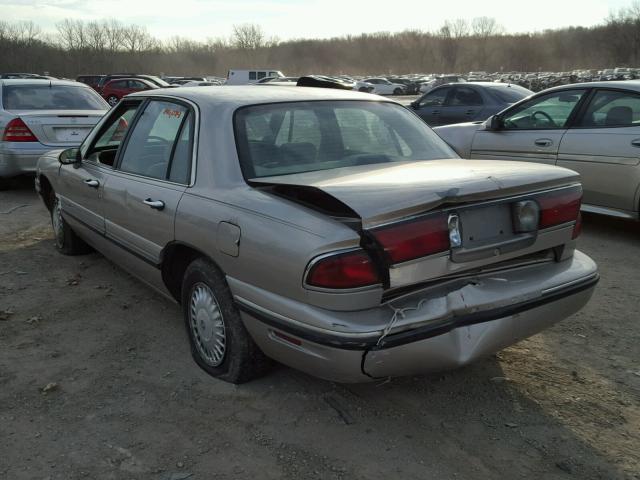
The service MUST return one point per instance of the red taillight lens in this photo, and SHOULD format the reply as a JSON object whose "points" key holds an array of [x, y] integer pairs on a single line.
{"points": [[344, 270], [17, 131], [414, 239], [560, 207]]}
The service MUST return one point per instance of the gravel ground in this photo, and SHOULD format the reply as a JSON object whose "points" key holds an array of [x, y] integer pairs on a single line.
{"points": [[96, 381]]}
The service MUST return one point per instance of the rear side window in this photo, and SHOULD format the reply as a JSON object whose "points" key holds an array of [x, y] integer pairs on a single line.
{"points": [[155, 139], [54, 97], [610, 108]]}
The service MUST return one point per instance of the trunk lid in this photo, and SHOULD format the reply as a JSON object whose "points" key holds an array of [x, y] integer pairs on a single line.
{"points": [[60, 127], [379, 194]]}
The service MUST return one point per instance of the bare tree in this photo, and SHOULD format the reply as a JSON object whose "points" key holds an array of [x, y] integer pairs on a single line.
{"points": [[247, 36]]}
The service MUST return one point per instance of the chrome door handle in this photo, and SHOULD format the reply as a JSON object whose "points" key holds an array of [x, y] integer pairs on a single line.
{"points": [[543, 142], [636, 142], [92, 183], [155, 204]]}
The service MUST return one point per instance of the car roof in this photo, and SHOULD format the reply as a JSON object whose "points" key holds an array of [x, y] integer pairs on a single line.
{"points": [[239, 96], [34, 81], [633, 85]]}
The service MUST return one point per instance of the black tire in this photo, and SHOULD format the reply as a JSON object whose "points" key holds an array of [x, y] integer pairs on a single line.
{"points": [[4, 183], [241, 360], [67, 242], [397, 91], [112, 100], [363, 89]]}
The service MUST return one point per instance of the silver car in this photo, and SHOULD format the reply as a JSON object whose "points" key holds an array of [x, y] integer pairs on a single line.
{"points": [[592, 128], [329, 230], [40, 115]]}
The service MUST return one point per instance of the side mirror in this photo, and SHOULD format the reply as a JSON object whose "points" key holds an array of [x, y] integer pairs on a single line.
{"points": [[69, 156], [414, 104], [494, 123]]}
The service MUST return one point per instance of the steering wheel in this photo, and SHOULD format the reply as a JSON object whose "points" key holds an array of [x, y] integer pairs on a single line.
{"points": [[544, 114], [366, 158]]}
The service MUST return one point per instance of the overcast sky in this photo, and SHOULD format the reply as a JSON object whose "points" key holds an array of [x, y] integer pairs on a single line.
{"points": [[286, 19]]}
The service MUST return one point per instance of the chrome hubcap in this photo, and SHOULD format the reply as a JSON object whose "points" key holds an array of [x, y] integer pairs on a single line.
{"points": [[207, 325], [56, 220], [112, 101]]}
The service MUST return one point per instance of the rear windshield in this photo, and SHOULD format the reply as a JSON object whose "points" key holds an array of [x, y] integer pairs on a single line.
{"points": [[287, 138], [55, 97], [511, 94]]}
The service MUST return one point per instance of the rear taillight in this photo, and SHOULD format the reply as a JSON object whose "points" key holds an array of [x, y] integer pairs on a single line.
{"points": [[344, 270], [17, 131], [577, 229], [560, 207], [414, 239]]}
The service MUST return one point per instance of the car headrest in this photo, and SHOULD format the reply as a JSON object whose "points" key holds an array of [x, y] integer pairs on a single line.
{"points": [[619, 116]]}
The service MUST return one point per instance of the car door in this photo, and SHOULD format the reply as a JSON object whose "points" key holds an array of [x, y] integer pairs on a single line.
{"points": [[82, 184], [464, 104], [530, 131], [142, 195], [430, 106], [603, 145]]}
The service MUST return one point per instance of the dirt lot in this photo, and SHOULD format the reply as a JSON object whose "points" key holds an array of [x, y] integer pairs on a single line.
{"points": [[128, 402]]}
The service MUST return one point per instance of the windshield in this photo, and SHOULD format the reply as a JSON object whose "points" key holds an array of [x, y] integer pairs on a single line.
{"points": [[51, 97], [287, 138]]}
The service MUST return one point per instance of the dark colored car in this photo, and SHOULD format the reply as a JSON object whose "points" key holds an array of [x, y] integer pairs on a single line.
{"points": [[324, 82], [149, 78], [92, 80], [467, 102], [114, 90]]}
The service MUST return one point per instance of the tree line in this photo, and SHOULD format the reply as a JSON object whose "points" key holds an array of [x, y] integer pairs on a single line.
{"points": [[79, 47]]}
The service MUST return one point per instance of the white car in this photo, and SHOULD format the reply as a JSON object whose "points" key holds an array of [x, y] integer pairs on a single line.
{"points": [[382, 86]]}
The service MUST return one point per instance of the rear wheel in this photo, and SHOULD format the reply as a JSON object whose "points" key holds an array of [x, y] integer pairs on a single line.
{"points": [[397, 91], [362, 89], [220, 344], [4, 183], [112, 100], [67, 242]]}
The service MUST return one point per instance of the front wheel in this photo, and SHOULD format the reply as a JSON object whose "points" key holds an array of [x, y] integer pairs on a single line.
{"points": [[220, 344], [112, 100], [67, 242], [397, 91]]}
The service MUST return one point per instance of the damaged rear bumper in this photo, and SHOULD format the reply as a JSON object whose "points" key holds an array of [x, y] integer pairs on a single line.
{"points": [[434, 329]]}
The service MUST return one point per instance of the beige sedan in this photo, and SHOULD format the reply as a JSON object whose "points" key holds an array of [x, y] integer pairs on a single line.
{"points": [[591, 128]]}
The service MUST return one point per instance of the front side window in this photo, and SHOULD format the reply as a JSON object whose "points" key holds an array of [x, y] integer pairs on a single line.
{"points": [[105, 146], [435, 98], [300, 137], [54, 97], [546, 112], [151, 144], [610, 108]]}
